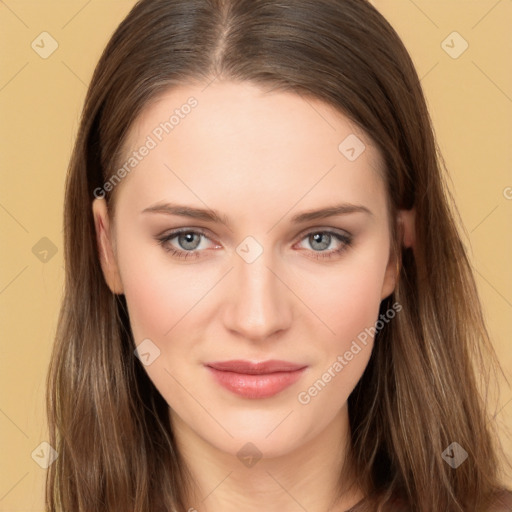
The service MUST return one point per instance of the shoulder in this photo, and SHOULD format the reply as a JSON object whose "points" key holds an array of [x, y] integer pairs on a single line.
{"points": [[399, 505], [502, 501]]}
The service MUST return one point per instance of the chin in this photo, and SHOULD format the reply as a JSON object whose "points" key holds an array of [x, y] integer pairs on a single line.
{"points": [[268, 433]]}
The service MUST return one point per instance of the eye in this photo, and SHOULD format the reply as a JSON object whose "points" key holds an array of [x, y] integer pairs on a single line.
{"points": [[188, 242], [320, 240]]}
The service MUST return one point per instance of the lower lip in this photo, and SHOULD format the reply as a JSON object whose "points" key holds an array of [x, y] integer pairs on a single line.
{"points": [[256, 386]]}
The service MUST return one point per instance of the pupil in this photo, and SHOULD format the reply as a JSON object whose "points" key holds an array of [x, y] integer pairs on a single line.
{"points": [[317, 238], [187, 241]]}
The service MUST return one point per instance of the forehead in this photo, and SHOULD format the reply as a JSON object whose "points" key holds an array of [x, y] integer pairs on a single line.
{"points": [[235, 139]]}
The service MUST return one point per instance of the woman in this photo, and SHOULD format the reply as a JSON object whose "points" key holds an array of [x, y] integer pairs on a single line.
{"points": [[266, 290]]}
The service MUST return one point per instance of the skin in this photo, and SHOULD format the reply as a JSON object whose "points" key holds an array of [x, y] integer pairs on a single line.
{"points": [[259, 159]]}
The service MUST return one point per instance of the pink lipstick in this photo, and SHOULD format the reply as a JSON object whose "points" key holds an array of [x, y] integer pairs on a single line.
{"points": [[255, 379]]}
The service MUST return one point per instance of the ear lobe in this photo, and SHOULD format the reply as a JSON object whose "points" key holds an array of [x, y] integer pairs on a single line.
{"points": [[390, 277], [105, 252], [406, 221]]}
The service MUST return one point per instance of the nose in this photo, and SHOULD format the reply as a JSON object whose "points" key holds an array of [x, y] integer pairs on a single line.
{"points": [[258, 304]]}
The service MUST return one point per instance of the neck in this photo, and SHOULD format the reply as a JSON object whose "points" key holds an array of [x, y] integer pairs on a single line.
{"points": [[314, 477]]}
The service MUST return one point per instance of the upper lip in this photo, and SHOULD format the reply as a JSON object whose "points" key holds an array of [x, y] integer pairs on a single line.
{"points": [[255, 368]]}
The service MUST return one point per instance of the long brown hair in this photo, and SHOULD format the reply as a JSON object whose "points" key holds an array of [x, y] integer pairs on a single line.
{"points": [[420, 391]]}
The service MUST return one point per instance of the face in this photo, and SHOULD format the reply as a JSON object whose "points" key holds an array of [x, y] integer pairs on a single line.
{"points": [[255, 229]]}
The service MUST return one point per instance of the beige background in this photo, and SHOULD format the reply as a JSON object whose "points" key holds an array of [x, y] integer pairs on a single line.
{"points": [[470, 99]]}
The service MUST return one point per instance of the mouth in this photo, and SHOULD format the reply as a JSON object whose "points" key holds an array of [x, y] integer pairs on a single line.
{"points": [[255, 379]]}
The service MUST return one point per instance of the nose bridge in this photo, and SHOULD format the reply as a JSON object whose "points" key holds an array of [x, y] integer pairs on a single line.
{"points": [[258, 304]]}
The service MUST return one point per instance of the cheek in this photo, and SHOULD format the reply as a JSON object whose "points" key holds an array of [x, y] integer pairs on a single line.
{"points": [[349, 306], [348, 303], [158, 294], [348, 299]]}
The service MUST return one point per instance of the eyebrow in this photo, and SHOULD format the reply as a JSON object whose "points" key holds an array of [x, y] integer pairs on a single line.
{"points": [[210, 215]]}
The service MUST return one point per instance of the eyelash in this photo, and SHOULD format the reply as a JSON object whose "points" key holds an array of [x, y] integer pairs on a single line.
{"points": [[345, 239]]}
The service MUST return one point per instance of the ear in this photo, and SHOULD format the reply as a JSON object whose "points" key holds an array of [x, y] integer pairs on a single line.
{"points": [[406, 222], [406, 236], [103, 239]]}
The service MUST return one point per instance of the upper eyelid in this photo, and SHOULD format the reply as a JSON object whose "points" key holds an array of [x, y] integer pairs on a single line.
{"points": [[336, 231]]}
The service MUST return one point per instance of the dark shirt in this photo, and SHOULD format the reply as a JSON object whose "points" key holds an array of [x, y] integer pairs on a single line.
{"points": [[502, 503]]}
